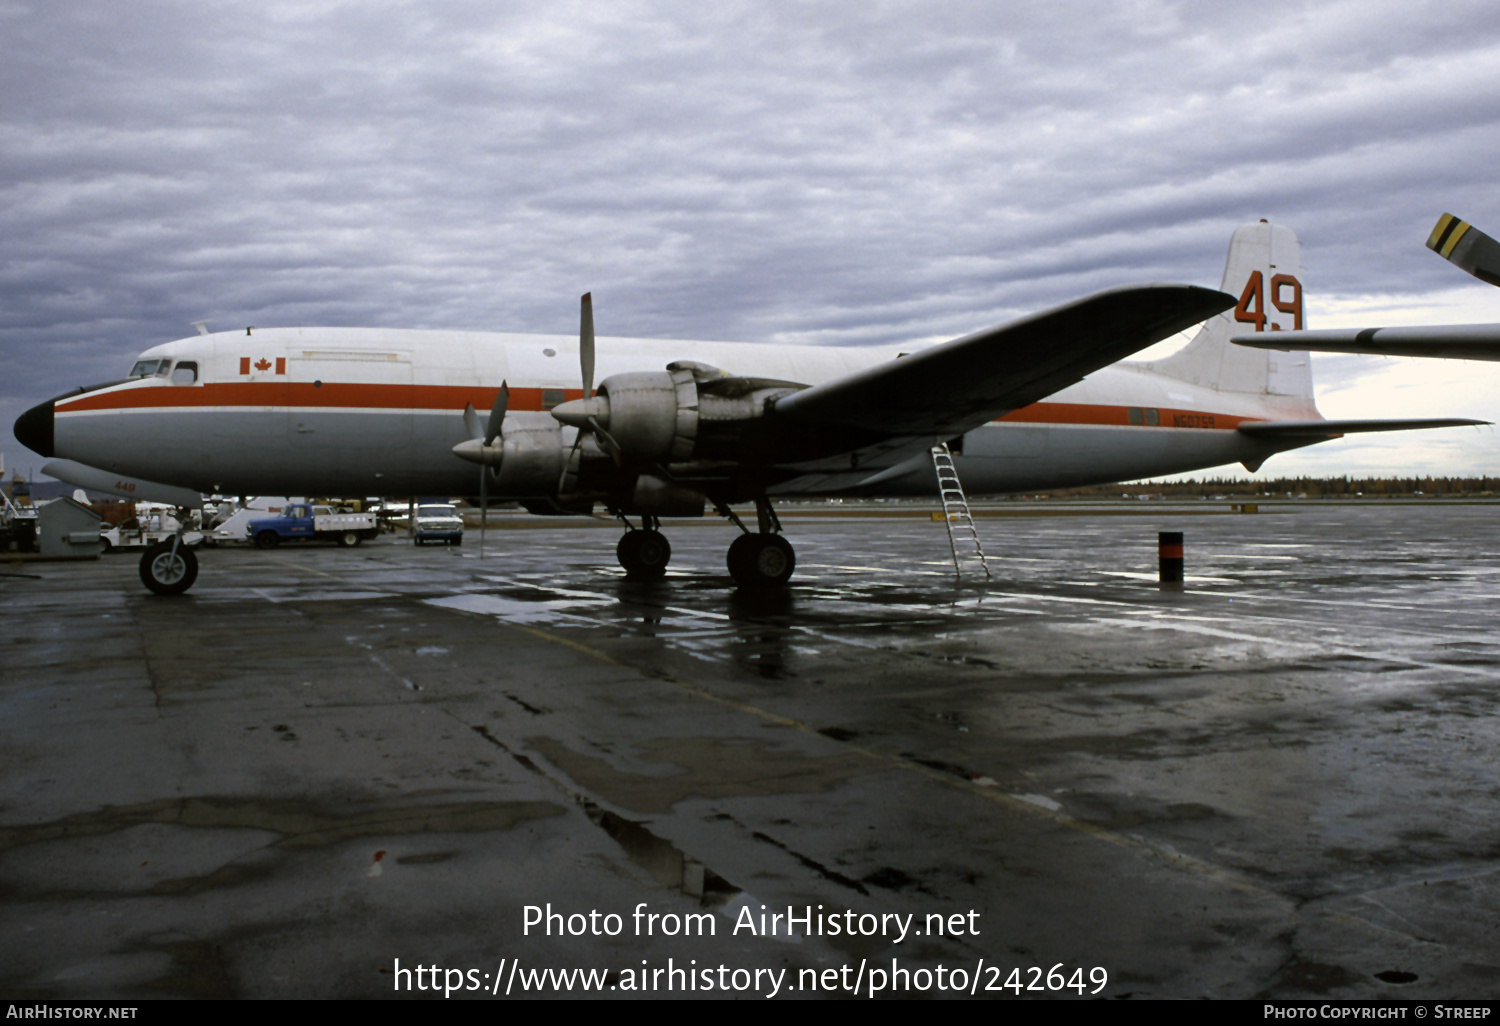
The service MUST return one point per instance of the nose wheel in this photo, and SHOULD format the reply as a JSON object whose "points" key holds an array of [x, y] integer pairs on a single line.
{"points": [[169, 568]]}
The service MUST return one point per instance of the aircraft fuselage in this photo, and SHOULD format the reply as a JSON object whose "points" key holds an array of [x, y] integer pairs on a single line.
{"points": [[347, 411]]}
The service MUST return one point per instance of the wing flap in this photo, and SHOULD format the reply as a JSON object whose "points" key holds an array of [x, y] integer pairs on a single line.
{"points": [[961, 384]]}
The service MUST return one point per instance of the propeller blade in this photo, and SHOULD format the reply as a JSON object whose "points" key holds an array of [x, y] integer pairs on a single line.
{"points": [[497, 414], [586, 344], [471, 421], [484, 504], [1467, 247]]}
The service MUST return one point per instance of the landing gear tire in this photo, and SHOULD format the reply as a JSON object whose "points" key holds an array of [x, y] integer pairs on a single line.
{"points": [[267, 540], [166, 572], [349, 539], [644, 554], [761, 560]]}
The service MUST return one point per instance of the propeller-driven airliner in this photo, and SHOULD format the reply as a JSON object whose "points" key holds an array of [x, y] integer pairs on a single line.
{"points": [[676, 428]]}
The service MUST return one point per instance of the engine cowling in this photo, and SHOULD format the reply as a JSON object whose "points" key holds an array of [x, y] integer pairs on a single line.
{"points": [[689, 411], [652, 416], [528, 459]]}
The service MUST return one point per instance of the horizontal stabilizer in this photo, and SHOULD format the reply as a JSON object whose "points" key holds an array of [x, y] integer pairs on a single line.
{"points": [[962, 384], [1466, 247], [1318, 429], [1448, 341]]}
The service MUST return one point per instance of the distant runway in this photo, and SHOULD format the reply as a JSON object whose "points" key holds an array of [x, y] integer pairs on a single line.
{"points": [[324, 768]]}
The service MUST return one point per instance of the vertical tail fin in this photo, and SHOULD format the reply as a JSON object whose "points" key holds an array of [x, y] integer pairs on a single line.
{"points": [[1264, 269]]}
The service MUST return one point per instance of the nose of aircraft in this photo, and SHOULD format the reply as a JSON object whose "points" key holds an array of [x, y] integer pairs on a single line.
{"points": [[34, 429]]}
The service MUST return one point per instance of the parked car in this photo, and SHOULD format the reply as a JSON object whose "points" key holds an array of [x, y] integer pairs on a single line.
{"points": [[439, 523]]}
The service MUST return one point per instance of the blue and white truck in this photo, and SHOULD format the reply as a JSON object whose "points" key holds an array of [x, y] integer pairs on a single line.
{"points": [[300, 521]]}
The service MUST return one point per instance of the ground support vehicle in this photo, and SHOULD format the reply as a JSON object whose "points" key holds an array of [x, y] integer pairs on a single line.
{"points": [[302, 522], [140, 532]]}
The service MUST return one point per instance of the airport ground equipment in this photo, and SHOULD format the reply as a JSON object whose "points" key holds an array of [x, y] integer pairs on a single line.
{"points": [[956, 514], [66, 527], [302, 522], [140, 532], [17, 526]]}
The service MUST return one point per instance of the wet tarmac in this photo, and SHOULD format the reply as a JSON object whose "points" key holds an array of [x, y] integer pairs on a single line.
{"points": [[323, 769]]}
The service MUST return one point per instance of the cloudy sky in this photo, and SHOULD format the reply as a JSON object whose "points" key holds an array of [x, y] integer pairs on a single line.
{"points": [[771, 171]]}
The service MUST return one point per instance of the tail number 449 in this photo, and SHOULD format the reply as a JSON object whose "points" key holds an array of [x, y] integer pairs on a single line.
{"points": [[1252, 305]]}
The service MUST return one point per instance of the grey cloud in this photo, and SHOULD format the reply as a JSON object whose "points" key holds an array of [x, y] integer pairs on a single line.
{"points": [[742, 171]]}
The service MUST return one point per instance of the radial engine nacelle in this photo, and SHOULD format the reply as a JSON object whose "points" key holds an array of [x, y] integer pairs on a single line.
{"points": [[528, 459], [690, 411]]}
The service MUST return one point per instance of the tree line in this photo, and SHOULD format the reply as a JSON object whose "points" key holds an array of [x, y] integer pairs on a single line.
{"points": [[1310, 487]]}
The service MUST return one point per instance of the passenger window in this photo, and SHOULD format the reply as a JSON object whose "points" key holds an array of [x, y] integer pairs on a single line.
{"points": [[551, 397], [1135, 415], [185, 373], [1151, 418]]}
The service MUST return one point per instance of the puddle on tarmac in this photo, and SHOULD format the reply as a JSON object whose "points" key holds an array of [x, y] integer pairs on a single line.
{"points": [[662, 859]]}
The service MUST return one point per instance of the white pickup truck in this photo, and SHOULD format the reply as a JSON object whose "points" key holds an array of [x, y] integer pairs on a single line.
{"points": [[315, 523]]}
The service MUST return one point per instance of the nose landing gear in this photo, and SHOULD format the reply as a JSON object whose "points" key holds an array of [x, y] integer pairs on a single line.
{"points": [[169, 567]]}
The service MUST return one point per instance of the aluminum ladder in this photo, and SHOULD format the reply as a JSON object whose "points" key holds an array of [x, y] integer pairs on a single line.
{"points": [[956, 513]]}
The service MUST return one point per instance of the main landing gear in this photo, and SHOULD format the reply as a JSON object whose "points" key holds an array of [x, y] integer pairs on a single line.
{"points": [[763, 559], [644, 553]]}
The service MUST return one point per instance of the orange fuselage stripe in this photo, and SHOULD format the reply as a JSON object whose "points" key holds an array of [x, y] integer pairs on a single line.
{"points": [[450, 398]]}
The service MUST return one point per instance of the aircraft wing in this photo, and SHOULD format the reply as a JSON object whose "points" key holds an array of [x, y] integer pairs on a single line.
{"points": [[1466, 247], [1317, 430], [959, 385], [1448, 341]]}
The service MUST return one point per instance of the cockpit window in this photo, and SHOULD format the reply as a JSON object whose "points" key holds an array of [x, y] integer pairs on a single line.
{"points": [[185, 373], [144, 368], [161, 371]]}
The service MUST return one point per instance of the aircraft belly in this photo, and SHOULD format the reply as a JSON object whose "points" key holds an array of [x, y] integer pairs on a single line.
{"points": [[1002, 458], [1006, 458]]}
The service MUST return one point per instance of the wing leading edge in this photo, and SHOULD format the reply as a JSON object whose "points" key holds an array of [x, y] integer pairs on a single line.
{"points": [[1445, 341], [959, 385]]}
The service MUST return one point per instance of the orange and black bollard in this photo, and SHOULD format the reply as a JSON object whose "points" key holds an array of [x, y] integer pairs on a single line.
{"points": [[1169, 557]]}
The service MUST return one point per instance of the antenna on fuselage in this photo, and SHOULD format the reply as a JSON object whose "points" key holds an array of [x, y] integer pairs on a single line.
{"points": [[202, 327]]}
